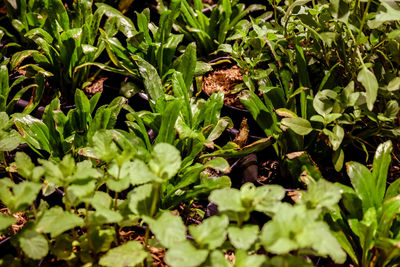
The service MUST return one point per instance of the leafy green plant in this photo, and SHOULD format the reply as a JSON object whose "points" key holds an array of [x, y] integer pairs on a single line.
{"points": [[58, 134], [64, 53], [290, 228], [367, 225], [215, 29]]}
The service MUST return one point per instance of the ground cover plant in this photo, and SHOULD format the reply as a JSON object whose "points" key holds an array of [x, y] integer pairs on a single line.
{"points": [[113, 154]]}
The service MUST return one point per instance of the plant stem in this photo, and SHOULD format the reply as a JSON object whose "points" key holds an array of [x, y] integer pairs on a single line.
{"points": [[152, 212], [363, 19]]}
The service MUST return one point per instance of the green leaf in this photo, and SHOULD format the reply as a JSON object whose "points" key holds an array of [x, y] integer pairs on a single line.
{"points": [[34, 131], [167, 133], [321, 195], [217, 258], [140, 199], [165, 161], [187, 65], [62, 247], [151, 80], [185, 254], [140, 173], [267, 198], [33, 244], [168, 229], [9, 140], [219, 164], [227, 199], [294, 228], [55, 221], [211, 233], [364, 185], [24, 164], [243, 238], [128, 254], [6, 221], [243, 259], [380, 168], [368, 80], [298, 125]]}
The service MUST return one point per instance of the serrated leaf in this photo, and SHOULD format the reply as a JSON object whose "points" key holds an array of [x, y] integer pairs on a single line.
{"points": [[169, 229], [128, 254], [166, 160], [185, 254], [321, 194], [227, 199], [211, 232], [243, 238], [33, 244], [6, 221], [55, 221]]}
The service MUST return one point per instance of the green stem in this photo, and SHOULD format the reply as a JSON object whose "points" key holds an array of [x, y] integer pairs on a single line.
{"points": [[363, 19], [152, 212]]}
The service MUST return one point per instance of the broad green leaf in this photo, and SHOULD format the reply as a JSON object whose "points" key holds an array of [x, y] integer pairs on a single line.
{"points": [[33, 244], [185, 254], [140, 199], [368, 80], [140, 173], [227, 199], [243, 259], [102, 239], [6, 221], [168, 229], [267, 198], [24, 165], [243, 238], [18, 197], [62, 247], [393, 190], [364, 185], [151, 80], [9, 140], [55, 221], [211, 233], [217, 258], [165, 161], [33, 131], [321, 195], [298, 125], [296, 227], [219, 164], [131, 253], [264, 117], [390, 209], [380, 168]]}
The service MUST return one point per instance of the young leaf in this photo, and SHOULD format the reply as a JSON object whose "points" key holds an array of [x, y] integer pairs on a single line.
{"points": [[33, 244], [298, 125], [128, 254], [380, 168], [168, 229], [166, 160], [211, 233], [185, 254], [6, 221], [55, 221], [243, 238]]}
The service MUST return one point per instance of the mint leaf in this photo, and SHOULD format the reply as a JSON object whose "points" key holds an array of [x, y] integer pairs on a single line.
{"points": [[33, 244], [169, 229], [166, 161], [211, 232], [243, 238], [129, 254], [185, 254], [6, 221], [55, 221]]}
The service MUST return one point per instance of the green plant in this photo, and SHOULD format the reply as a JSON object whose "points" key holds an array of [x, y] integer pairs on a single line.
{"points": [[58, 134], [210, 31], [66, 44], [367, 224]]}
